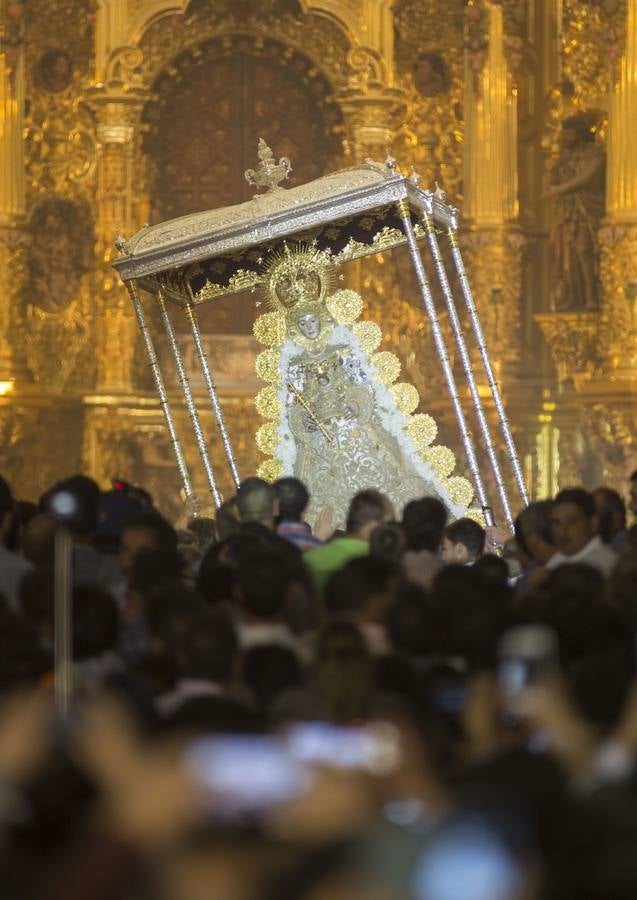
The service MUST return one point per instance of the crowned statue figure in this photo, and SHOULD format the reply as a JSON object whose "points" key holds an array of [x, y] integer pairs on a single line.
{"points": [[336, 418]]}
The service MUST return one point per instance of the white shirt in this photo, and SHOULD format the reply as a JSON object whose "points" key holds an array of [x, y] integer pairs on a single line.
{"points": [[595, 554], [186, 689]]}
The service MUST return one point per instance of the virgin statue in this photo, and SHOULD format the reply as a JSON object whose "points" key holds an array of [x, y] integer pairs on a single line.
{"points": [[336, 418]]}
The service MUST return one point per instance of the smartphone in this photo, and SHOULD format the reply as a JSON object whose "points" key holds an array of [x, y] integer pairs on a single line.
{"points": [[373, 748], [525, 654], [243, 776]]}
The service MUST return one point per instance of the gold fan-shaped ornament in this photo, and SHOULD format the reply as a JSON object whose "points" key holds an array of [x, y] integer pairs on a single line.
{"points": [[441, 459], [270, 470], [405, 396], [345, 306], [461, 492], [422, 429], [267, 403], [387, 365], [369, 336], [267, 366]]}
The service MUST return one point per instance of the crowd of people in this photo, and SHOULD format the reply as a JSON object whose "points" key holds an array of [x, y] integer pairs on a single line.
{"points": [[410, 708]]}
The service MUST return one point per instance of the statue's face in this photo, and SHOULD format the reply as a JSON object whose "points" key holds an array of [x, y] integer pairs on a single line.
{"points": [[309, 325]]}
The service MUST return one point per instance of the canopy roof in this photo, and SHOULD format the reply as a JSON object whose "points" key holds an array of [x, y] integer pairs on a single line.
{"points": [[350, 214]]}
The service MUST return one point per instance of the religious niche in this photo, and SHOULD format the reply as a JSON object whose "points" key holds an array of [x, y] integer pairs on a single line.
{"points": [[60, 253], [576, 188], [54, 71], [430, 74]]}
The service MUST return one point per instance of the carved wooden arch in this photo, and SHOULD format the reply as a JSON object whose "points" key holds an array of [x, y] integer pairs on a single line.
{"points": [[320, 39]]}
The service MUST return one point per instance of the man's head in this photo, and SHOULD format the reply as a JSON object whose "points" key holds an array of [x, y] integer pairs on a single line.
{"points": [[146, 531], [632, 503], [463, 541], [256, 502], [367, 510], [293, 499], [424, 522], [207, 647], [534, 533], [574, 520], [611, 512], [263, 582]]}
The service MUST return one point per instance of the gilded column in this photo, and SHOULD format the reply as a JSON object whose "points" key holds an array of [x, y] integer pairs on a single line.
{"points": [[117, 103], [618, 236], [12, 182], [494, 243]]}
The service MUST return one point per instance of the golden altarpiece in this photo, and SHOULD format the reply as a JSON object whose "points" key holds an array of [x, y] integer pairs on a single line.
{"points": [[116, 113]]}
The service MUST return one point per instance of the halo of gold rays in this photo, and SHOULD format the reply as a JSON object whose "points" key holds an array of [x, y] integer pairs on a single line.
{"points": [[345, 306]]}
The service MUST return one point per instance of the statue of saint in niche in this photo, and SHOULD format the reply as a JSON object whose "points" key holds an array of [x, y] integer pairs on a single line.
{"points": [[576, 185], [430, 74], [59, 253], [54, 71]]}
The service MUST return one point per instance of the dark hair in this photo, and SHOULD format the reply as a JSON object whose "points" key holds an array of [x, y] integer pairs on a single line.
{"points": [[263, 581], [365, 507], [424, 522], [255, 500], [6, 498], [349, 590], [579, 497], [608, 503], [227, 519], [204, 531], [633, 476], [86, 494], [293, 499], [152, 568], [270, 669], [95, 621], [165, 534], [468, 533], [387, 543], [534, 519], [167, 608], [207, 646], [411, 624]]}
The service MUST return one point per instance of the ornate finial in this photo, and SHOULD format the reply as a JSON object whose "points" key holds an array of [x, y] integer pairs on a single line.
{"points": [[269, 173], [415, 177], [391, 163], [439, 194], [120, 243]]}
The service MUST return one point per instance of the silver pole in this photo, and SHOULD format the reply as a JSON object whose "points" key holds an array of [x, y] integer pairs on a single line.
{"points": [[190, 401], [466, 365], [212, 392], [488, 368], [408, 228], [153, 362], [63, 657]]}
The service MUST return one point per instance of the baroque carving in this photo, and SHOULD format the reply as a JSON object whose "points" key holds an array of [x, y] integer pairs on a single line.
{"points": [[572, 339]]}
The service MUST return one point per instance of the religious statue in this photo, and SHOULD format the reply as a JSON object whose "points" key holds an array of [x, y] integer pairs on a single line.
{"points": [[337, 421], [577, 187]]}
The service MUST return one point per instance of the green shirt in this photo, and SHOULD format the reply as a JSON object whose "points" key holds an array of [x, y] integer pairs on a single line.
{"points": [[331, 557]]}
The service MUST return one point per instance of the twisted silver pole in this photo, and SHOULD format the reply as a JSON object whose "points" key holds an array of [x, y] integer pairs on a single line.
{"points": [[191, 406], [439, 341], [466, 365], [212, 392], [488, 368], [161, 392]]}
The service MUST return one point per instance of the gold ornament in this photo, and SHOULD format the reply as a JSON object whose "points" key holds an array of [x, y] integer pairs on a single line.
{"points": [[345, 306], [369, 336], [460, 490], [422, 429], [405, 396], [267, 403], [269, 329], [297, 275], [267, 366], [270, 470], [387, 365], [477, 515], [267, 438], [441, 459]]}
